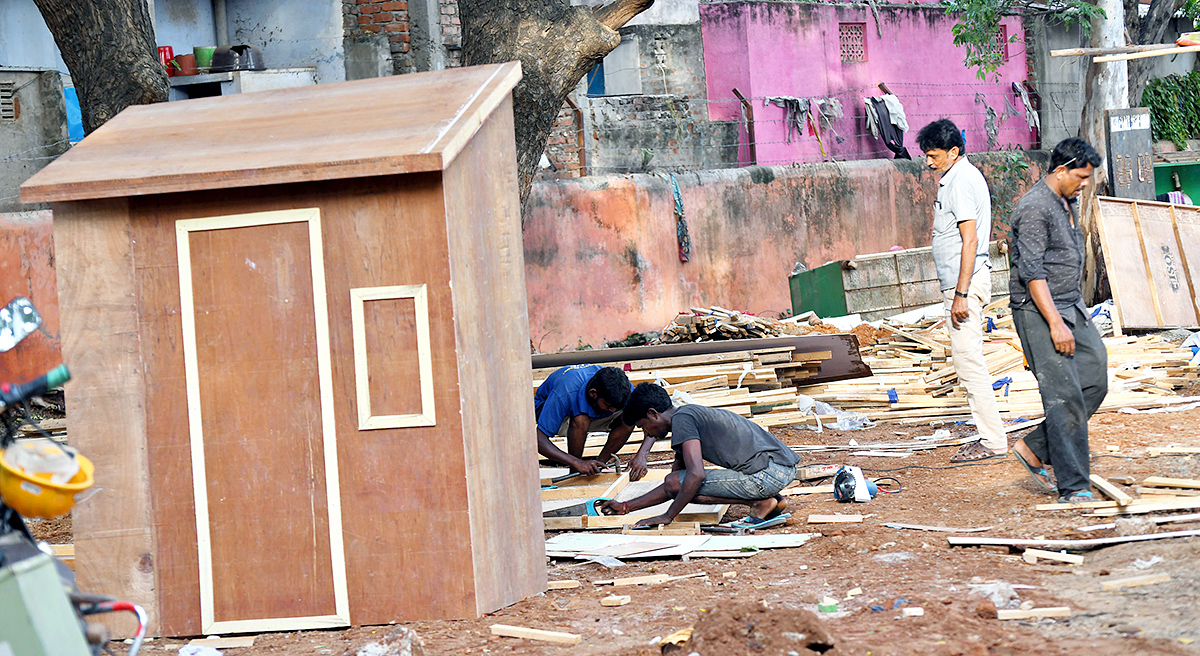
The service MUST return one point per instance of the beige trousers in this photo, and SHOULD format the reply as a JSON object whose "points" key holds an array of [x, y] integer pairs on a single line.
{"points": [[966, 350]]}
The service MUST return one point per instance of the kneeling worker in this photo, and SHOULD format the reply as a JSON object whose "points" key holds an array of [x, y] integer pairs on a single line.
{"points": [[580, 399], [757, 465]]}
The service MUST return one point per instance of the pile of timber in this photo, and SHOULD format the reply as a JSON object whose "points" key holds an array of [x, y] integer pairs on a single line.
{"points": [[1155, 494], [914, 379], [759, 384], [714, 323]]}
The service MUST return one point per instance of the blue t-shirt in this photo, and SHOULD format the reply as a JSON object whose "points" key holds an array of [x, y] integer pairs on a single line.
{"points": [[564, 395]]}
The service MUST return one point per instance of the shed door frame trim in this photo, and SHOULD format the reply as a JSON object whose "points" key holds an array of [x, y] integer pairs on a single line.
{"points": [[183, 228], [420, 296]]}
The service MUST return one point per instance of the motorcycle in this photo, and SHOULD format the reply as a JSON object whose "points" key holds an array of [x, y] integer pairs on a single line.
{"points": [[44, 613]]}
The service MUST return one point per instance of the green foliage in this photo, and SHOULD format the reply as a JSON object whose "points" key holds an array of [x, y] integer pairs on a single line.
{"points": [[979, 23], [1191, 9], [1174, 103], [1008, 181]]}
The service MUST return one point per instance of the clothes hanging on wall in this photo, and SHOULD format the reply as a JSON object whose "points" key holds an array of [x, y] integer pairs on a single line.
{"points": [[886, 126]]}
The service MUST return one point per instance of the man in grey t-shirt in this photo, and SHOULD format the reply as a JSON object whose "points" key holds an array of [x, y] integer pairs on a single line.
{"points": [[962, 221], [756, 465]]}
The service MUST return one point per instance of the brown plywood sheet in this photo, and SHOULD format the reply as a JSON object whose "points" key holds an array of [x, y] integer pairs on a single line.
{"points": [[384, 126], [487, 268], [1127, 273], [394, 377], [255, 331], [1172, 292], [114, 544]]}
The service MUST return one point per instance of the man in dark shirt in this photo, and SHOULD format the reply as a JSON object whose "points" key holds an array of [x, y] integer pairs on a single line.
{"points": [[756, 464], [1061, 344]]}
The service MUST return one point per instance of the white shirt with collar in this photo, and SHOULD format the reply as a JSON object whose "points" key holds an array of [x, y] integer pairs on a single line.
{"points": [[962, 196]]}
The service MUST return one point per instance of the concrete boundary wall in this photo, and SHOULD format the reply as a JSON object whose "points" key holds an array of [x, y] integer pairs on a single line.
{"points": [[602, 257]]}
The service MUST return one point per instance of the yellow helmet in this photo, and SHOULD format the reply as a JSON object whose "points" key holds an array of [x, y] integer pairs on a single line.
{"points": [[36, 494]]}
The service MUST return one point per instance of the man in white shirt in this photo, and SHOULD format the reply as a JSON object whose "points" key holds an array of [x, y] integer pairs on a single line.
{"points": [[962, 221]]}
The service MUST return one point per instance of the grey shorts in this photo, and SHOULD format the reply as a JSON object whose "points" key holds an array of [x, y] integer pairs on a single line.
{"points": [[731, 484]]}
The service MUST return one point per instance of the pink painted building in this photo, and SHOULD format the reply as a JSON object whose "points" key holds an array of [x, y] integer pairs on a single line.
{"points": [[834, 50]]}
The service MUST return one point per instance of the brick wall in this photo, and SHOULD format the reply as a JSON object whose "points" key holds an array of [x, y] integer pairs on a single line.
{"points": [[562, 148], [381, 16], [451, 32]]}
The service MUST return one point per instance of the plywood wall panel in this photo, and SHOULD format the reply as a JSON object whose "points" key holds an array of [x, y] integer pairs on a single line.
{"points": [[483, 216], [1128, 276], [1167, 272], [114, 539]]}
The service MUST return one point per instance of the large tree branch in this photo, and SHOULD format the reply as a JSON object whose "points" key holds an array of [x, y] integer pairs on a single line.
{"points": [[1151, 30], [615, 15], [108, 46], [557, 45]]}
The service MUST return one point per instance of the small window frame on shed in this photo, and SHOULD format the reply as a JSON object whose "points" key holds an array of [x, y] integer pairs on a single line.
{"points": [[852, 42]]}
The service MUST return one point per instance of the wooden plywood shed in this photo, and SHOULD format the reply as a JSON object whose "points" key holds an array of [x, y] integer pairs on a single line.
{"points": [[298, 329], [1152, 253]]}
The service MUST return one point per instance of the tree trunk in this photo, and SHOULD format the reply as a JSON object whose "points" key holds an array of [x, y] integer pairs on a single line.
{"points": [[1106, 86], [108, 46], [557, 45], [1151, 30]]}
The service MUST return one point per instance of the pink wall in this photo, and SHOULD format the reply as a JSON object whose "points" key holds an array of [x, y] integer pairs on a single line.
{"points": [[792, 49], [601, 259]]}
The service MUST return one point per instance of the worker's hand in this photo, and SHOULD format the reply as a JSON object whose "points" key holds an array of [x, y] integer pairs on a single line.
{"points": [[612, 507], [654, 521], [1064, 339], [637, 468], [589, 467], [959, 312]]}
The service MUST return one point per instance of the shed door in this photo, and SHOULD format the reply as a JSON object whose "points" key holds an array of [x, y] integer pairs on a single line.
{"points": [[260, 413]]}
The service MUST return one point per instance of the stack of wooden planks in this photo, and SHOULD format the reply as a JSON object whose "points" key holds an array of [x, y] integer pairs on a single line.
{"points": [[759, 384], [704, 324], [914, 379], [1155, 494]]}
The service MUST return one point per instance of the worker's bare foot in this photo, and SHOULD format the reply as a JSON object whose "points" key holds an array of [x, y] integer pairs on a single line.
{"points": [[768, 508], [1027, 455], [780, 507]]}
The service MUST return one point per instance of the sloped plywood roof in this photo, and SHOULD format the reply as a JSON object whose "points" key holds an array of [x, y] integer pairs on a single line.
{"points": [[382, 126]]}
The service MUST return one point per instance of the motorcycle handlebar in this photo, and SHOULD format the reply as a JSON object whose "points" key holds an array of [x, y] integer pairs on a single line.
{"points": [[12, 393]]}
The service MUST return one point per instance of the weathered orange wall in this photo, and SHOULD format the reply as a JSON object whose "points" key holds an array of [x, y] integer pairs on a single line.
{"points": [[27, 269], [601, 256]]}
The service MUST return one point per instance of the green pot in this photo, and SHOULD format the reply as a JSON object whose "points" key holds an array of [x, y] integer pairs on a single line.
{"points": [[204, 55]]}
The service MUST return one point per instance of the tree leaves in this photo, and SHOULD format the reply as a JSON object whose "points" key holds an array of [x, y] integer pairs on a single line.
{"points": [[979, 24], [1174, 103]]}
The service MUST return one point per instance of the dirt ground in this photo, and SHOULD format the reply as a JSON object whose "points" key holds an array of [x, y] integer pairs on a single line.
{"points": [[766, 604]]}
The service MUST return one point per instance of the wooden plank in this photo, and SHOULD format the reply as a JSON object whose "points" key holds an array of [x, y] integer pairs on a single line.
{"points": [[812, 489], [835, 519], [1128, 274], [1142, 55], [1033, 613], [574, 492], [939, 529], [1111, 491], [1173, 450], [1163, 481], [562, 585], [194, 139], [1183, 503], [615, 600], [562, 523], [557, 637], [1031, 556], [1073, 545], [98, 291], [224, 643], [1187, 232], [1136, 581], [1171, 284]]}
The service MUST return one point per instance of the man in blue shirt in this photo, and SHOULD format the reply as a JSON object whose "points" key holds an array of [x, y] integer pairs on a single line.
{"points": [[580, 399]]}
